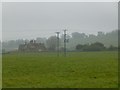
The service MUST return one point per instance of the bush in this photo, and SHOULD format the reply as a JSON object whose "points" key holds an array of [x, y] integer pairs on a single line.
{"points": [[93, 47], [112, 48]]}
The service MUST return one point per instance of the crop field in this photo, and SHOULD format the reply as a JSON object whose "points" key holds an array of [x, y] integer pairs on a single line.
{"points": [[46, 70]]}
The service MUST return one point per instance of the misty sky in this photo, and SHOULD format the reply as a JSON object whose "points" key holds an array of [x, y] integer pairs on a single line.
{"points": [[41, 19]]}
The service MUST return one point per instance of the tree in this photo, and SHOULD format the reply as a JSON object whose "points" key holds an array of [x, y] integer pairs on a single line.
{"points": [[78, 35], [84, 47], [3, 51], [112, 48], [100, 34], [40, 40], [51, 43], [79, 47], [96, 47], [93, 47]]}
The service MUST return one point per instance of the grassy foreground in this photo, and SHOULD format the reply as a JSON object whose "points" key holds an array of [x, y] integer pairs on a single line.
{"points": [[0, 71], [46, 70]]}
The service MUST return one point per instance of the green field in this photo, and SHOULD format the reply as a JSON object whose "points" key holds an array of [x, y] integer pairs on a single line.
{"points": [[46, 70]]}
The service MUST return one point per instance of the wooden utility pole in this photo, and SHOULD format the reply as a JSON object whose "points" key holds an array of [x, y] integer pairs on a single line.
{"points": [[65, 40], [58, 43]]}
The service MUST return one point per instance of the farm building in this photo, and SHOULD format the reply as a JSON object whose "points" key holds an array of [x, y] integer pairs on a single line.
{"points": [[32, 46]]}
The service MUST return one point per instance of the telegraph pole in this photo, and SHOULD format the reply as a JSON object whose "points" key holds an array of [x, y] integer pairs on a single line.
{"points": [[58, 43], [65, 40]]}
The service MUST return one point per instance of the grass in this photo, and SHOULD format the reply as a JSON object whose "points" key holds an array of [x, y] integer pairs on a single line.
{"points": [[46, 70], [0, 71]]}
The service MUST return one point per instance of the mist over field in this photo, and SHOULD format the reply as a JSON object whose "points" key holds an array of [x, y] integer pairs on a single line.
{"points": [[86, 23], [31, 20], [75, 38], [59, 45]]}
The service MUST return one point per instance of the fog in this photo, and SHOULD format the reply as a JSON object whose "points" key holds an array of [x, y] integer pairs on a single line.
{"points": [[32, 19]]}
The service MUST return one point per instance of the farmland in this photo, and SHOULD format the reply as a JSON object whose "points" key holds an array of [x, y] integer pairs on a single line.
{"points": [[46, 70]]}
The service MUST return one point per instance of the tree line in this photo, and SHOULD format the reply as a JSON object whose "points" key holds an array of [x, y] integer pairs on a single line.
{"points": [[76, 41], [97, 46]]}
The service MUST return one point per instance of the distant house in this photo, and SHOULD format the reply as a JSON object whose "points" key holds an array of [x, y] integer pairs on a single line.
{"points": [[32, 46]]}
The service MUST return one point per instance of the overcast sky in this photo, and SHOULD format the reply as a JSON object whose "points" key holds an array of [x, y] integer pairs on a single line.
{"points": [[41, 19]]}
